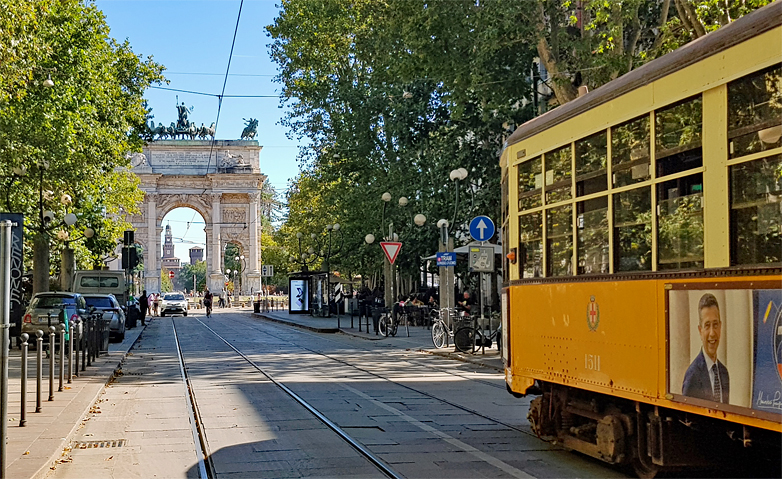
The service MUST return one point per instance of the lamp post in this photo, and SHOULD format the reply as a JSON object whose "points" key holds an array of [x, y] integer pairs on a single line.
{"points": [[67, 259], [242, 266], [391, 288]]}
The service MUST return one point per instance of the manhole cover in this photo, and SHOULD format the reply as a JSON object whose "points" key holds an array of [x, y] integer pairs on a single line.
{"points": [[92, 444]]}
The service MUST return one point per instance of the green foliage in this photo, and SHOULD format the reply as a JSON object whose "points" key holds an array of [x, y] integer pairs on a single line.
{"points": [[71, 138], [185, 276], [392, 96]]}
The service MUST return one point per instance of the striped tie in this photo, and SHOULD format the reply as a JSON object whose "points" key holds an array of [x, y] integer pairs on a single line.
{"points": [[717, 385]]}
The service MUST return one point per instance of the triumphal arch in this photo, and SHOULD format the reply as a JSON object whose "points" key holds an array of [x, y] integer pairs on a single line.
{"points": [[222, 181]]}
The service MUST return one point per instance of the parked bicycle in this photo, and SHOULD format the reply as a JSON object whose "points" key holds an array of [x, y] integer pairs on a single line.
{"points": [[470, 338], [441, 330], [389, 322]]}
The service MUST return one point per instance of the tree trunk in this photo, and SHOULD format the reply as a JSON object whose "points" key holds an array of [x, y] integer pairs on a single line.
{"points": [[563, 88], [41, 263]]}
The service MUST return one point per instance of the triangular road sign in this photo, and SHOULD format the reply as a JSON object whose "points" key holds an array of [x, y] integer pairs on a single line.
{"points": [[391, 249]]}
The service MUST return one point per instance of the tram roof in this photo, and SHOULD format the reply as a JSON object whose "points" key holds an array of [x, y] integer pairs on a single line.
{"points": [[746, 27]]}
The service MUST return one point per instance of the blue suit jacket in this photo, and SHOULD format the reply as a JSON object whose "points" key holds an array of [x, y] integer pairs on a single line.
{"points": [[697, 383]]}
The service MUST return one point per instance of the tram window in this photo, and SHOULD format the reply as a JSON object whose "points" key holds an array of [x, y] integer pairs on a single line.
{"points": [[591, 159], [633, 230], [755, 214], [530, 184], [531, 245], [755, 112], [592, 224], [680, 223], [558, 174], [678, 128], [559, 240], [630, 151]]}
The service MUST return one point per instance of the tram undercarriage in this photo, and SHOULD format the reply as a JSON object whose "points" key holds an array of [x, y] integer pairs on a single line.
{"points": [[651, 439]]}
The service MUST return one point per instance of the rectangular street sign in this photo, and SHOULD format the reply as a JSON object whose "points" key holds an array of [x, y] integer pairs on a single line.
{"points": [[446, 259], [481, 259], [267, 270]]}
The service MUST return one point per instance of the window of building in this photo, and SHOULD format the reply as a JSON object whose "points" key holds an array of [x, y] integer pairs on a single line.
{"points": [[531, 245], [530, 184], [755, 112], [559, 240], [559, 165], [633, 230], [755, 211], [680, 223], [592, 224], [630, 152]]}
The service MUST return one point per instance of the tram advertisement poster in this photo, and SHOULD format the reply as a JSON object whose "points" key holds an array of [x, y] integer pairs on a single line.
{"points": [[724, 347], [299, 296], [767, 387]]}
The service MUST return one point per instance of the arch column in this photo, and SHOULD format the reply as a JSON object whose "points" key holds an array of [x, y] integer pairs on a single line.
{"points": [[253, 272], [216, 278], [151, 254]]}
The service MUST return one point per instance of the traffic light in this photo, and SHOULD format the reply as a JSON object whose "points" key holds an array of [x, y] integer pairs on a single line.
{"points": [[129, 257]]}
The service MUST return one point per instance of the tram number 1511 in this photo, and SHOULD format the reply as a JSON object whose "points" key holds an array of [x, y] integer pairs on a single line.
{"points": [[592, 362]]}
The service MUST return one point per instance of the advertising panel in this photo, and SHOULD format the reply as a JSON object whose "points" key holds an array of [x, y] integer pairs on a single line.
{"points": [[299, 296], [725, 348], [17, 271]]}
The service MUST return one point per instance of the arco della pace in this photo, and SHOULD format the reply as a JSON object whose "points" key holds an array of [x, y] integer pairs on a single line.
{"points": [[222, 181]]}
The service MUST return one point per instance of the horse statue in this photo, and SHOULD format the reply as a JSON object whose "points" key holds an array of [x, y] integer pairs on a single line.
{"points": [[206, 133], [249, 131]]}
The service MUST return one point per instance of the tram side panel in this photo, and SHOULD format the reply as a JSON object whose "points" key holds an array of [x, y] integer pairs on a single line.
{"points": [[601, 337]]}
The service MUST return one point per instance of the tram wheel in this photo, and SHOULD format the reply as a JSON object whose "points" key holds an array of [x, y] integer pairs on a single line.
{"points": [[643, 471]]}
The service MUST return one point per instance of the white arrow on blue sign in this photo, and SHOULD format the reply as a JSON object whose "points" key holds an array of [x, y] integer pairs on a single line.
{"points": [[481, 228]]}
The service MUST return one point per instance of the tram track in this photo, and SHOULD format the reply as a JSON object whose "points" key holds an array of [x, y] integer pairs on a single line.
{"points": [[410, 388], [381, 465], [205, 465]]}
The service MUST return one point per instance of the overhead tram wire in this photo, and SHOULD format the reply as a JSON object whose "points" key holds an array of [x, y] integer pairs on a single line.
{"points": [[213, 94], [225, 82]]}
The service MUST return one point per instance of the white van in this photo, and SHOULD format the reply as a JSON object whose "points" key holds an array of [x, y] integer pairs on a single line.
{"points": [[100, 281]]}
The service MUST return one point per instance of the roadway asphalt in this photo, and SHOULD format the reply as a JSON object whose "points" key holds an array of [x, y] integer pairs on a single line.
{"points": [[33, 450]]}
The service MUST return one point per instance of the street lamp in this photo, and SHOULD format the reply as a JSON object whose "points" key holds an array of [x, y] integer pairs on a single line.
{"points": [[67, 258], [242, 266], [389, 271]]}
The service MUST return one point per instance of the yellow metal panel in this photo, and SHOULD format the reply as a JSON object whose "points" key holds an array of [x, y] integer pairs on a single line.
{"points": [[716, 238], [553, 340]]}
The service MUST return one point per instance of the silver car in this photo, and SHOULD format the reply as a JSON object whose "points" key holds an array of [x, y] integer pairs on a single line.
{"points": [[109, 306], [50, 309], [173, 303]]}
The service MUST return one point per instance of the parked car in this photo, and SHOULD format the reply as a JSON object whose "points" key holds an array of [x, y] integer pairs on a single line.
{"points": [[173, 303], [45, 310], [109, 306]]}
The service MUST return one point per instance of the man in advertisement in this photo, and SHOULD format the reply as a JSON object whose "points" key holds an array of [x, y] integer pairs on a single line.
{"points": [[707, 378]]}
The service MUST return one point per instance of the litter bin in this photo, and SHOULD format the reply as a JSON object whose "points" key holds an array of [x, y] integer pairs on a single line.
{"points": [[256, 306]]}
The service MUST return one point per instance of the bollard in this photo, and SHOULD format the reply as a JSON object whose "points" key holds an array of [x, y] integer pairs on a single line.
{"points": [[83, 341], [51, 363], [70, 354], [62, 356], [23, 412], [38, 368], [77, 339]]}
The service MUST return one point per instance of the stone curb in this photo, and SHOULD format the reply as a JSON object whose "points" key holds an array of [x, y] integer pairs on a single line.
{"points": [[444, 354]]}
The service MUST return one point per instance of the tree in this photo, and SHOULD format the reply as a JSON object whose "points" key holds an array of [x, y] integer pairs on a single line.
{"points": [[392, 96], [72, 138]]}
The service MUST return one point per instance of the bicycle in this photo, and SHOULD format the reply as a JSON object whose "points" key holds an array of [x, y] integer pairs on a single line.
{"points": [[468, 339], [441, 332], [208, 306]]}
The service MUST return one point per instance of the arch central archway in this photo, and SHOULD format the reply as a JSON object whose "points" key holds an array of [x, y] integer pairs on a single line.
{"points": [[221, 182]]}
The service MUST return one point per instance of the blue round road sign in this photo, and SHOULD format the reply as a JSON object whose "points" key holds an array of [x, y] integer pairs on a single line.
{"points": [[481, 228]]}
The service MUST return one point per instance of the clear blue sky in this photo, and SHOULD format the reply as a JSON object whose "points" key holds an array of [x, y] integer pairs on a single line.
{"points": [[192, 39]]}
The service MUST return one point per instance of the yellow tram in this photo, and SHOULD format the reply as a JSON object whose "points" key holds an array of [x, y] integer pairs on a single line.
{"points": [[642, 229]]}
